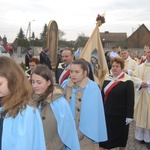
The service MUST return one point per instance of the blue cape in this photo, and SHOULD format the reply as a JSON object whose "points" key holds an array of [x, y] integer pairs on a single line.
{"points": [[92, 119], [24, 132], [65, 123]]}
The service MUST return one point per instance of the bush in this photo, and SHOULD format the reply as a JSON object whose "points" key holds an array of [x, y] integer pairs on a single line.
{"points": [[23, 66]]}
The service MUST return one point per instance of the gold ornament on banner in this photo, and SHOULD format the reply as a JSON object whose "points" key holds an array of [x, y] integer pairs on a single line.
{"points": [[100, 19], [146, 48]]}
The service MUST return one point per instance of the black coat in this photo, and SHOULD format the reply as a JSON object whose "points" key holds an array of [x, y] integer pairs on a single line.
{"points": [[28, 56], [45, 59], [120, 101], [118, 106], [59, 71], [42, 55], [108, 62]]}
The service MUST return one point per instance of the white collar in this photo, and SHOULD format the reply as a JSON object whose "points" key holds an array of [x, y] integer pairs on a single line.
{"points": [[115, 78]]}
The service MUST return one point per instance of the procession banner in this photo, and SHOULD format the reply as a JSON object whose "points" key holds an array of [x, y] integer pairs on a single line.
{"points": [[93, 52], [52, 42]]}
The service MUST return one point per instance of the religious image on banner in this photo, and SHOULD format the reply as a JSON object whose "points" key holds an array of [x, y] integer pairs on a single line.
{"points": [[93, 52], [94, 63]]}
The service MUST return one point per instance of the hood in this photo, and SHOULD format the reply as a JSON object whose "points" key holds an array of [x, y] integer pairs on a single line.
{"points": [[57, 92]]}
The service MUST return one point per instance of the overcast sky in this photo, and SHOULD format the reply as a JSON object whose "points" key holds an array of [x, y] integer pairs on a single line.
{"points": [[73, 17]]}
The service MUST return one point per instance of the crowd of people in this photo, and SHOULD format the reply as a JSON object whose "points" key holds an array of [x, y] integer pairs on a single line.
{"points": [[68, 110], [138, 68]]}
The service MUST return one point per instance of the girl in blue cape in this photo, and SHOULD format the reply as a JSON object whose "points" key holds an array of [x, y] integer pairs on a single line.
{"points": [[59, 126], [20, 124], [84, 97]]}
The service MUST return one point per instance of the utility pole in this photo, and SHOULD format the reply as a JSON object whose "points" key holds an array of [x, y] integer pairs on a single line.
{"points": [[29, 32]]}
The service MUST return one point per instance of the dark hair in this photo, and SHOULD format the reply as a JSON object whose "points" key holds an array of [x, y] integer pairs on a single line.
{"points": [[71, 51], [106, 53], [46, 50], [118, 61], [45, 72], [82, 63], [36, 60]]}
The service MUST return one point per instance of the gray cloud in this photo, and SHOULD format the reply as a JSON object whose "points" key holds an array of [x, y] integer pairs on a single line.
{"points": [[74, 18]]}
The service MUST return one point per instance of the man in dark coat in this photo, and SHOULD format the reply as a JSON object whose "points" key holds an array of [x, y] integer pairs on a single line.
{"points": [[46, 58], [28, 56], [41, 55], [63, 70]]}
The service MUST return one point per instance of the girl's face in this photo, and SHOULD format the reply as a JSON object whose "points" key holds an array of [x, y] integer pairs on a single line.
{"points": [[116, 69], [39, 84], [76, 72], [4, 91], [32, 66]]}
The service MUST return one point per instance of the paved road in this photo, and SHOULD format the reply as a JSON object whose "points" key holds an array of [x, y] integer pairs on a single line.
{"points": [[18, 59], [132, 143]]}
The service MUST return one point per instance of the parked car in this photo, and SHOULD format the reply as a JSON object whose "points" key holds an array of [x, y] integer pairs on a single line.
{"points": [[3, 52]]}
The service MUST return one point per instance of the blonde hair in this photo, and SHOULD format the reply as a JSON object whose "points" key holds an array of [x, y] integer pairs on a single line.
{"points": [[18, 85]]}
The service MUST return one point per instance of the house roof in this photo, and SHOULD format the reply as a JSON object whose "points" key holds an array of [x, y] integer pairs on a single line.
{"points": [[113, 36], [139, 38], [138, 30]]}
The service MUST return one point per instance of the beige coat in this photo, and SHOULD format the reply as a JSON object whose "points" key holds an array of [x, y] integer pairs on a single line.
{"points": [[53, 141], [85, 142]]}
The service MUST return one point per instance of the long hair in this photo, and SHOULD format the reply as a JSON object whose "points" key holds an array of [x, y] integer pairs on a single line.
{"points": [[18, 85], [45, 72]]}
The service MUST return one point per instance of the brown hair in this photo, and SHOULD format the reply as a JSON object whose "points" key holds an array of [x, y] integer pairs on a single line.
{"points": [[71, 51], [18, 85], [106, 53], [45, 72], [117, 60], [36, 60], [82, 63]]}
